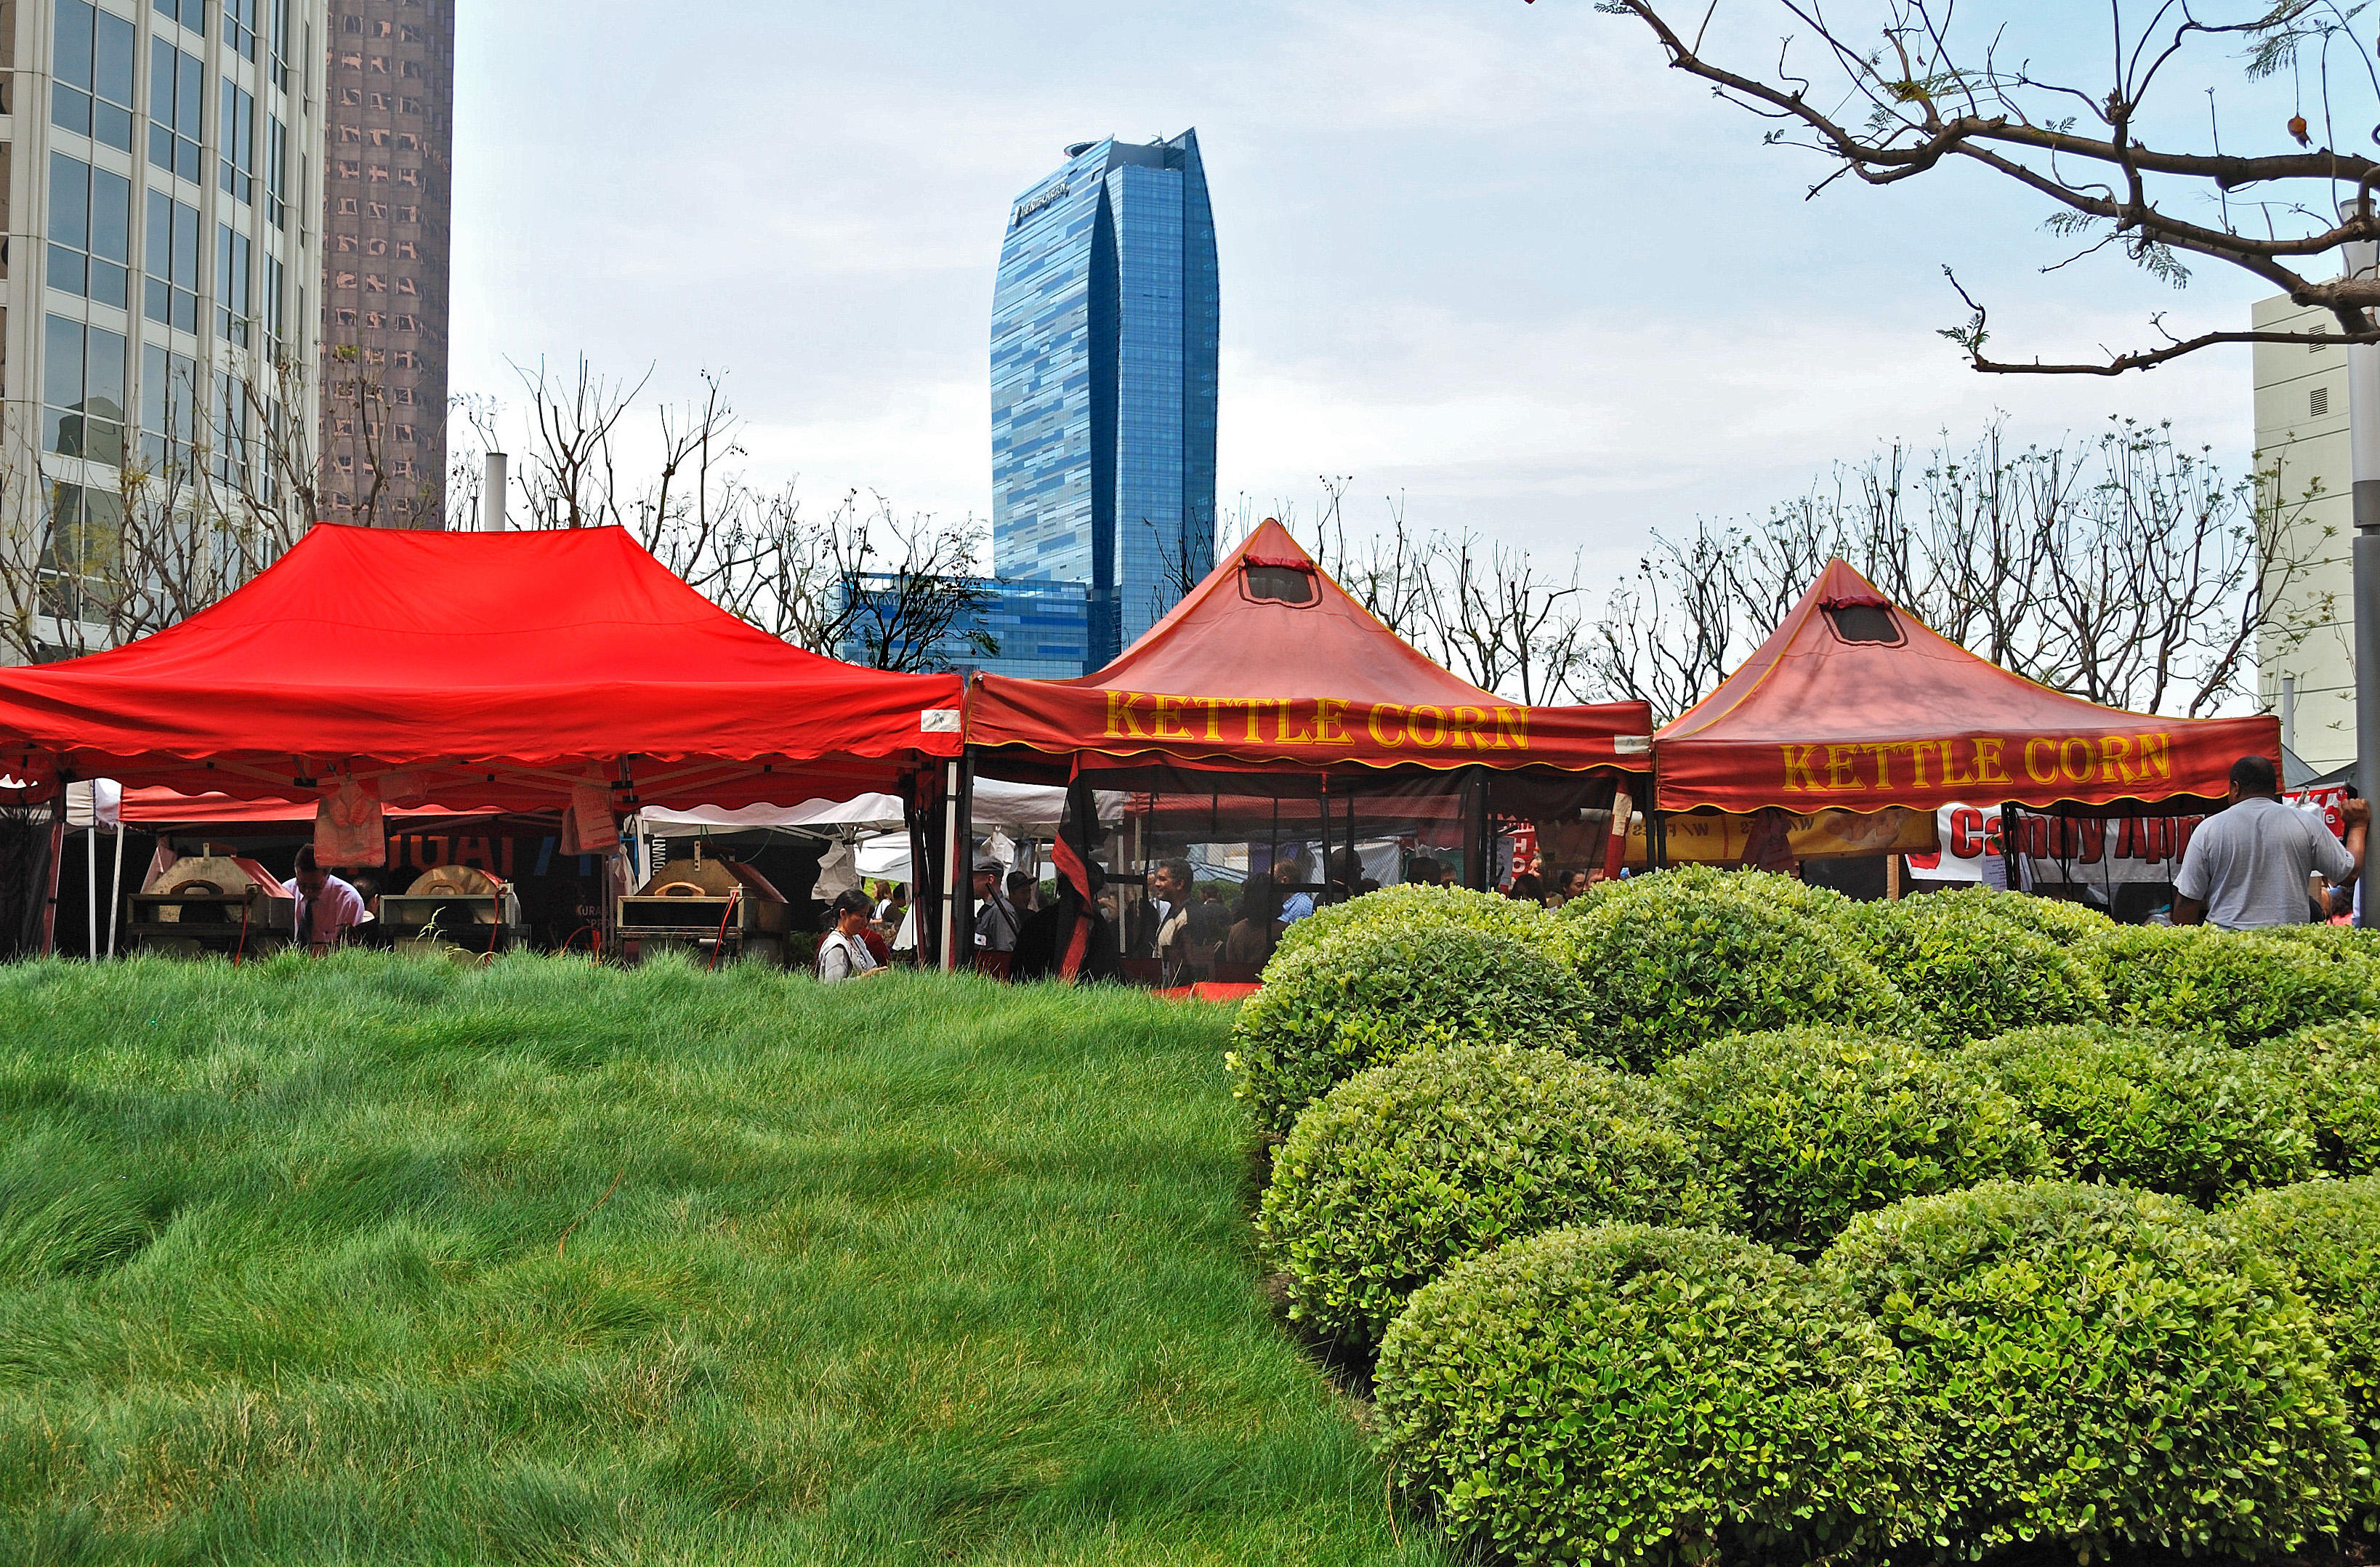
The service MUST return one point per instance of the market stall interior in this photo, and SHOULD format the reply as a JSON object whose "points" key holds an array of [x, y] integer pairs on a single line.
{"points": [[566, 673], [1275, 736]]}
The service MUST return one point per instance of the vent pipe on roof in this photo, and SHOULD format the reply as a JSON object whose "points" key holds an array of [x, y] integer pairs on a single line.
{"points": [[491, 495]]}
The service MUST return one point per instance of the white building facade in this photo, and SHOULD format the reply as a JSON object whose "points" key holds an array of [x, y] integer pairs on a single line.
{"points": [[2301, 445], [162, 169]]}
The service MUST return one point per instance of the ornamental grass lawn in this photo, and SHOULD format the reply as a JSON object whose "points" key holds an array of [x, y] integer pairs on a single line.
{"points": [[381, 1260]]}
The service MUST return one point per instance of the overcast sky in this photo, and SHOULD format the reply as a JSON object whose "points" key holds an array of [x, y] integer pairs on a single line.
{"points": [[1488, 255]]}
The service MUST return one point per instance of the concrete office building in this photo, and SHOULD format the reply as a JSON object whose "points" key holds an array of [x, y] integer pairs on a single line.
{"points": [[162, 216], [389, 201], [2301, 435], [1104, 333]]}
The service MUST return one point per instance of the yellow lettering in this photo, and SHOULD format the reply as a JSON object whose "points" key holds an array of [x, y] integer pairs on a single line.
{"points": [[1990, 769], [1214, 717], [1165, 723], [1373, 722], [2153, 754], [1513, 728], [2115, 760], [1463, 728], [1799, 760], [1839, 767], [2034, 769], [1883, 755], [1255, 705], [1120, 706], [1330, 714], [1952, 775], [2066, 768], [1916, 749], [1437, 724], [1281, 727]]}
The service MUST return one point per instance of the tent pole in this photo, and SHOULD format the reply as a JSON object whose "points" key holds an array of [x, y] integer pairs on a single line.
{"points": [[50, 874], [115, 891], [950, 954], [90, 880]]}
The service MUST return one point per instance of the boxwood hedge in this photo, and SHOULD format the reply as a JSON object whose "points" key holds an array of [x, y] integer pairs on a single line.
{"points": [[1972, 968], [2338, 1070], [1763, 887], [2164, 1111], [2057, 919], [1372, 991], [2103, 1367], [2242, 987], [1625, 1394], [1403, 1170], [2327, 1234], [1410, 907], [1683, 960], [1816, 1125]]}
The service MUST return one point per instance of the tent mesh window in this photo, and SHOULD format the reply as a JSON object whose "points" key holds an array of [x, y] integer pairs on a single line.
{"points": [[1864, 623], [1286, 584]]}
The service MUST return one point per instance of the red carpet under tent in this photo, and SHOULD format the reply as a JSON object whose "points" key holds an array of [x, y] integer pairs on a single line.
{"points": [[1854, 705], [474, 669]]}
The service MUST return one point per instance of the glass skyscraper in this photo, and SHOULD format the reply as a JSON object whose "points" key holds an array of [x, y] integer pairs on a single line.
{"points": [[1104, 329]]}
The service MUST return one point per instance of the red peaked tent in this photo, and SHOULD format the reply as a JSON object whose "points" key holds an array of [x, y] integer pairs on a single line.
{"points": [[1854, 705], [1269, 666], [486, 668]]}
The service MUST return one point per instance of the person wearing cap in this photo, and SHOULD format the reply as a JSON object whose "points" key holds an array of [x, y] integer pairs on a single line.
{"points": [[995, 916]]}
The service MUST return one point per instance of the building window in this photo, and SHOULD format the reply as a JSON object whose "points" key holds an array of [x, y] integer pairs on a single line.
{"points": [[2319, 404], [231, 429], [236, 133], [171, 296], [239, 27], [90, 231], [281, 45], [83, 390], [169, 408], [177, 87], [90, 93], [275, 281], [80, 573], [231, 284], [276, 169], [191, 14]]}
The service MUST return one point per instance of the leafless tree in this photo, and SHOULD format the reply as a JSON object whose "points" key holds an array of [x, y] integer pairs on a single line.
{"points": [[2114, 566], [1914, 86]]}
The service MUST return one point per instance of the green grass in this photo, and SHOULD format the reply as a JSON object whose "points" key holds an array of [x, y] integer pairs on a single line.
{"points": [[910, 1270]]}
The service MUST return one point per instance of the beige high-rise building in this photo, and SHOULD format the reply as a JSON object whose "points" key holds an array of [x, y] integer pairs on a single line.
{"points": [[158, 332], [2301, 438], [384, 266]]}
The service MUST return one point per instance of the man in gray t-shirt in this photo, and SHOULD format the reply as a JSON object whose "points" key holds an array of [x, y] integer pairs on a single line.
{"points": [[2248, 865]]}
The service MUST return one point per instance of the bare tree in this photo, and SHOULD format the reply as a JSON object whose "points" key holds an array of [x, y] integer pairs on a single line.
{"points": [[2116, 567], [1919, 85]]}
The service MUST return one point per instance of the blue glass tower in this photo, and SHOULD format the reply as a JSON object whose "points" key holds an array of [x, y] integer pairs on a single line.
{"points": [[1104, 330]]}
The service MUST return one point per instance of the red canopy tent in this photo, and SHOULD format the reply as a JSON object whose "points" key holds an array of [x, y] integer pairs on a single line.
{"points": [[1269, 683], [1268, 666], [1854, 705], [496, 669]]}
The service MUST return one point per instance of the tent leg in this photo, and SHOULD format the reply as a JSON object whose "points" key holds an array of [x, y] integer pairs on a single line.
{"points": [[1892, 878], [116, 891], [954, 874], [91, 881], [50, 874]]}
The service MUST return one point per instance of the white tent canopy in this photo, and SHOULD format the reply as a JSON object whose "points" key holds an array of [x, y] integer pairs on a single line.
{"points": [[1032, 809]]}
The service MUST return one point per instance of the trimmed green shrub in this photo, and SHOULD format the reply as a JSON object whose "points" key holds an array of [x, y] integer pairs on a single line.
{"points": [[1402, 1171], [2338, 1070], [1680, 962], [1371, 992], [1763, 887], [2163, 1112], [2057, 919], [2327, 1234], [2102, 1368], [1633, 1395], [2239, 985], [1410, 907], [1818, 1124], [1972, 969]]}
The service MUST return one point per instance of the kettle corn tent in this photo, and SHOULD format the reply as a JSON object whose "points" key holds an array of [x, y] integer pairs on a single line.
{"points": [[1853, 709], [1269, 708], [534, 671]]}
